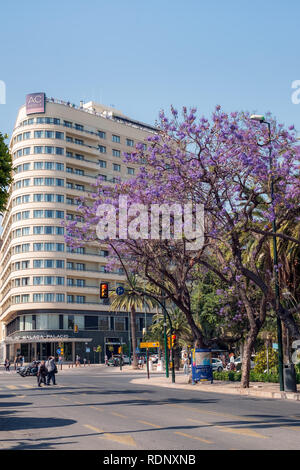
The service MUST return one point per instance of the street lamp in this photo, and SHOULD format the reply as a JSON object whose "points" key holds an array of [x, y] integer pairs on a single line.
{"points": [[261, 119]]}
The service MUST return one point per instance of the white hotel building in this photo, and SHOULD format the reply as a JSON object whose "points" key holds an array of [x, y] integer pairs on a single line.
{"points": [[58, 151]]}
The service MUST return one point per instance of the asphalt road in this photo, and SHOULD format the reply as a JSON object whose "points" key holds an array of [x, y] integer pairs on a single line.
{"points": [[97, 408]]}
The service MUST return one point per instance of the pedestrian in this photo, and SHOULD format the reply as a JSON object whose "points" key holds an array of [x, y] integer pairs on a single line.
{"points": [[84, 362], [51, 366], [42, 373], [60, 361], [78, 360], [185, 364], [15, 362], [105, 359], [7, 365], [232, 364]]}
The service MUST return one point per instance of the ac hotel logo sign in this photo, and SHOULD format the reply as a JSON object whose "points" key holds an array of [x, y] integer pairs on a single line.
{"points": [[35, 103]]}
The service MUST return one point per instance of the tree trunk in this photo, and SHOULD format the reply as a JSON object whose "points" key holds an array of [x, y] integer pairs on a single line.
{"points": [[248, 348], [133, 338]]}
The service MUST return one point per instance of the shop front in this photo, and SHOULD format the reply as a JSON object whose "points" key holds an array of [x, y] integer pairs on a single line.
{"points": [[38, 347]]}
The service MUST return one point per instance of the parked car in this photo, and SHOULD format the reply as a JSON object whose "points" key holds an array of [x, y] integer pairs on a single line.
{"points": [[115, 361], [217, 364], [238, 363]]}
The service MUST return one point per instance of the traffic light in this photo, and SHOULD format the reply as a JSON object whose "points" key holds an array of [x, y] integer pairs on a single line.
{"points": [[169, 342], [173, 340], [120, 350], [104, 290], [75, 328]]}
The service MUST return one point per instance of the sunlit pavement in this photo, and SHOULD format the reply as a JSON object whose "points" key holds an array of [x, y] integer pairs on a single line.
{"points": [[100, 408]]}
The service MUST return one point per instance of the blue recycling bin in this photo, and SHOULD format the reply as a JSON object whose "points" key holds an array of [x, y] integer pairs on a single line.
{"points": [[202, 366]]}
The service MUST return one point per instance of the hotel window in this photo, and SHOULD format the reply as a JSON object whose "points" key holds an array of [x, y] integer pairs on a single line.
{"points": [[49, 149], [59, 151], [102, 148], [49, 181], [49, 197], [48, 213], [60, 297], [41, 320], [69, 169], [26, 183], [69, 139], [79, 172], [80, 299], [37, 280], [60, 281], [70, 298], [78, 127], [59, 135], [25, 231], [79, 266], [59, 230], [120, 324], [38, 246], [116, 138], [60, 166], [103, 323], [60, 214], [19, 153], [38, 214], [80, 282], [25, 281], [130, 171], [116, 153], [116, 167], [102, 163], [80, 187], [49, 134], [91, 322], [48, 280], [102, 134], [26, 151], [49, 246], [79, 157], [26, 167], [25, 215], [59, 182], [48, 297], [60, 264], [38, 181], [26, 198], [38, 165], [103, 253], [129, 142], [48, 230], [67, 124], [79, 141], [69, 154], [70, 185], [53, 321], [38, 263], [49, 263], [26, 135], [38, 134], [37, 197], [25, 264], [49, 165], [38, 298], [38, 149], [19, 138], [25, 247], [103, 177], [60, 247]]}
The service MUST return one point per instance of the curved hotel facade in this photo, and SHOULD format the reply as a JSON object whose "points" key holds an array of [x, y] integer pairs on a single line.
{"points": [[58, 151]]}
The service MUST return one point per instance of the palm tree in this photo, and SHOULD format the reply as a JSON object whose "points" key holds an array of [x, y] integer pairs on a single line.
{"points": [[131, 301]]}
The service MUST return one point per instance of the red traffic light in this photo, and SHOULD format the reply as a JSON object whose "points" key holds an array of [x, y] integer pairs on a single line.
{"points": [[104, 290]]}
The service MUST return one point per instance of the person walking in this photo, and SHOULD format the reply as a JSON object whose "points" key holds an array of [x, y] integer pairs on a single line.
{"points": [[186, 364], [42, 373], [7, 365], [51, 366]]}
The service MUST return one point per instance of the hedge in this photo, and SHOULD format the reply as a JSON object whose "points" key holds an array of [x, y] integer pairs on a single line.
{"points": [[232, 376]]}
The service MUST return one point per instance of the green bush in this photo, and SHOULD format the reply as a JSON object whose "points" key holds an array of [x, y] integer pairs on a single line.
{"points": [[260, 361]]}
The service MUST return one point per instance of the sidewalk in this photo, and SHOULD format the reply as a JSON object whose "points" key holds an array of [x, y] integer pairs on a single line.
{"points": [[257, 389]]}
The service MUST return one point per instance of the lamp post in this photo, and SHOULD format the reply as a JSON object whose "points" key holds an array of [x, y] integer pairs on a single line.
{"points": [[261, 119]]}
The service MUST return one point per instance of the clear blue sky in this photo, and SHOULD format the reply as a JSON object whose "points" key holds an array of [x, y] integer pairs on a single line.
{"points": [[143, 55]]}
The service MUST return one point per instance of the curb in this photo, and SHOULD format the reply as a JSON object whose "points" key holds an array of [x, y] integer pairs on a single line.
{"points": [[233, 391]]}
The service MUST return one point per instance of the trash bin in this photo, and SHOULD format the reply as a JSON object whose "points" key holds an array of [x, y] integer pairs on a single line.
{"points": [[289, 378]]}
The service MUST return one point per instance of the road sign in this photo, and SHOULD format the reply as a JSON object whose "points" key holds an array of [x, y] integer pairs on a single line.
{"points": [[120, 290], [58, 351], [137, 350], [275, 345], [149, 345]]}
